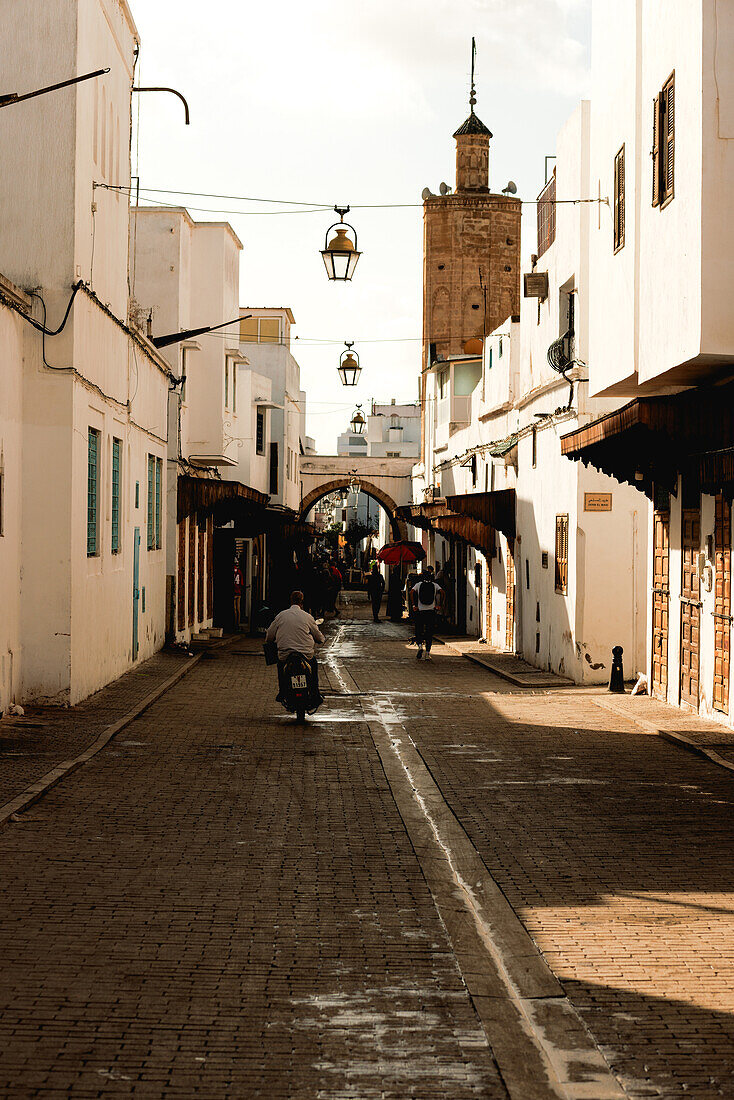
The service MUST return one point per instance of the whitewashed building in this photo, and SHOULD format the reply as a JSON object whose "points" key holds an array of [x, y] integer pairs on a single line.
{"points": [[83, 469], [538, 555], [661, 326]]}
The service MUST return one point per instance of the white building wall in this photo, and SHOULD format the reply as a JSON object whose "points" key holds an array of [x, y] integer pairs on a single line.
{"points": [[660, 309], [76, 612], [11, 483]]}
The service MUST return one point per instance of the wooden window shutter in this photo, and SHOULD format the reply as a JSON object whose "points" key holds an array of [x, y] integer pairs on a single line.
{"points": [[668, 142], [656, 152], [619, 200], [561, 553]]}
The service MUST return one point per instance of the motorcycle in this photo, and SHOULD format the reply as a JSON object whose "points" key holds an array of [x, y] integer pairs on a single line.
{"points": [[299, 691]]}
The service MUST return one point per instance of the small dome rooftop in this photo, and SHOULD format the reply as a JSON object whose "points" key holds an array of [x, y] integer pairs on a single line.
{"points": [[473, 125]]}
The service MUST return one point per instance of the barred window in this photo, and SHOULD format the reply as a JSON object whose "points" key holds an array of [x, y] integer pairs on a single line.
{"points": [[116, 477], [562, 554], [260, 432], [93, 437]]}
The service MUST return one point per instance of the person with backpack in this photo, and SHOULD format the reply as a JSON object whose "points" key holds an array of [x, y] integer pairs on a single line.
{"points": [[426, 597]]}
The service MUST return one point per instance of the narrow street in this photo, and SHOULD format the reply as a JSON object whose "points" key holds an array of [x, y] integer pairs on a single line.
{"points": [[445, 886]]}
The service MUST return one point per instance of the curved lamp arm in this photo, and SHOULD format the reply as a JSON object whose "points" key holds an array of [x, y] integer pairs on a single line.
{"points": [[173, 92]]}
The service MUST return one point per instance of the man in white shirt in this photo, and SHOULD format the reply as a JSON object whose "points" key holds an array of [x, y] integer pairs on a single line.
{"points": [[295, 631], [426, 596]]}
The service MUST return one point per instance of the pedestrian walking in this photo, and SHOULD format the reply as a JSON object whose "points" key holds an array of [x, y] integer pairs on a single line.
{"points": [[395, 596], [239, 587], [375, 588], [426, 597]]}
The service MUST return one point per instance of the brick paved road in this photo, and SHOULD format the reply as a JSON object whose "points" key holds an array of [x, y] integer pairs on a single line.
{"points": [[222, 905], [614, 847], [32, 745]]}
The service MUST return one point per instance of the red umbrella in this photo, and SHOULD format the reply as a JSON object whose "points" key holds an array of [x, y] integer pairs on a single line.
{"points": [[396, 552]]}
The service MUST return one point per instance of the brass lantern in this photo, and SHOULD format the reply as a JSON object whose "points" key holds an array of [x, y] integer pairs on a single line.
{"points": [[349, 368], [358, 422], [355, 485], [340, 254]]}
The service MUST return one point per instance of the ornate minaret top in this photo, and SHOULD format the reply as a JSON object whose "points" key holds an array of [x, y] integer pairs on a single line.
{"points": [[472, 145]]}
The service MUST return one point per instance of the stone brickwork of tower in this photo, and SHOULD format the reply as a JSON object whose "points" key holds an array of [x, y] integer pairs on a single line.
{"points": [[471, 245]]}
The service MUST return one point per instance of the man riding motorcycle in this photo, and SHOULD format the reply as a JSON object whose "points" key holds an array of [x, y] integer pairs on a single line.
{"points": [[294, 631]]}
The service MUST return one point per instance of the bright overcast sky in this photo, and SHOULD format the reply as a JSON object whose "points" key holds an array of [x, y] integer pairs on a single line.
{"points": [[326, 102]]}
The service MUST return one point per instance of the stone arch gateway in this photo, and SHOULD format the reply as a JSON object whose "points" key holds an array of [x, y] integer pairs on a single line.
{"points": [[387, 480]]}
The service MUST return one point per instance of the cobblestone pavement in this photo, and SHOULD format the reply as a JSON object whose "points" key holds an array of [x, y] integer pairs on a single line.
{"points": [[32, 745], [224, 904]]}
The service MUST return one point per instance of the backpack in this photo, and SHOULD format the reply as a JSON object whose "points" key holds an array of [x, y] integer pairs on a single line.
{"points": [[426, 592]]}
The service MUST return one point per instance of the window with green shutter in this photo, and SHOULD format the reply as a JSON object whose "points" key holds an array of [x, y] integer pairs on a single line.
{"points": [[158, 485], [151, 502], [116, 460], [92, 493]]}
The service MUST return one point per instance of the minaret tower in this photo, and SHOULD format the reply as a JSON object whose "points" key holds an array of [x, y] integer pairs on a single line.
{"points": [[471, 250]]}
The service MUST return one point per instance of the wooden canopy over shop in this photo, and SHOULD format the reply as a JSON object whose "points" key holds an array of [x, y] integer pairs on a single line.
{"points": [[207, 495], [654, 439], [472, 517], [495, 509]]}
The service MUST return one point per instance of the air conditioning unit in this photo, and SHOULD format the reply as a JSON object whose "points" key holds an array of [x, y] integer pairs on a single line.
{"points": [[536, 285]]}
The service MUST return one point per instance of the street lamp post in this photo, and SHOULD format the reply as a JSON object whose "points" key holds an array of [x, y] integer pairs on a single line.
{"points": [[358, 422], [349, 368], [340, 254]]}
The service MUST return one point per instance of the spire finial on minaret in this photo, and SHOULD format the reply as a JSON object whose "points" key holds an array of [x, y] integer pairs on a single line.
{"points": [[473, 92]]}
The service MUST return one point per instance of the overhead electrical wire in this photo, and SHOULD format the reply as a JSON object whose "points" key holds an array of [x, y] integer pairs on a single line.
{"points": [[309, 207]]}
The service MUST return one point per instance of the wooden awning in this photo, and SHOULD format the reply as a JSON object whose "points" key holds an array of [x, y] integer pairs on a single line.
{"points": [[654, 439], [495, 509], [209, 494], [439, 516]]}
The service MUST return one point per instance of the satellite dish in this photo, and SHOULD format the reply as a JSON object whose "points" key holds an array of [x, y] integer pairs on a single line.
{"points": [[445, 189], [426, 193], [511, 188]]}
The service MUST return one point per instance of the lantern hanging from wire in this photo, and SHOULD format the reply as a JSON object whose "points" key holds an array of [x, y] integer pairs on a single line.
{"points": [[355, 485], [358, 421], [340, 254], [349, 368]]}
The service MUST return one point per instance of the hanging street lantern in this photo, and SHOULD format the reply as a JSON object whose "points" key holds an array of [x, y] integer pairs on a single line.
{"points": [[358, 422], [349, 368], [355, 485], [340, 253]]}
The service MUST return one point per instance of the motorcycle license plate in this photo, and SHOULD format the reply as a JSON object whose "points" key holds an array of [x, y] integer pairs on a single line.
{"points": [[298, 682]]}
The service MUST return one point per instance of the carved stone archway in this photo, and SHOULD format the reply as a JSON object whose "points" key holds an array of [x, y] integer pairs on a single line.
{"points": [[397, 524]]}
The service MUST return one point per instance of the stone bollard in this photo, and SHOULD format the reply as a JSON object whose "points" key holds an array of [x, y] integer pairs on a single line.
{"points": [[616, 680]]}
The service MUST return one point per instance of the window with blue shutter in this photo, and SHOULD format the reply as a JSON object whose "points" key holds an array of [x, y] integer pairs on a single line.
{"points": [[92, 492], [116, 459], [151, 502]]}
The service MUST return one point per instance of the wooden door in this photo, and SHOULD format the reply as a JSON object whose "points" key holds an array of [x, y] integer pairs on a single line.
{"points": [[201, 525], [488, 598], [192, 568], [690, 606], [181, 581], [510, 626], [660, 602], [722, 603], [210, 567]]}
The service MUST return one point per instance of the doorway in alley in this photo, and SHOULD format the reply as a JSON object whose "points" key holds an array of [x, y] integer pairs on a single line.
{"points": [[690, 605], [722, 603], [660, 594]]}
